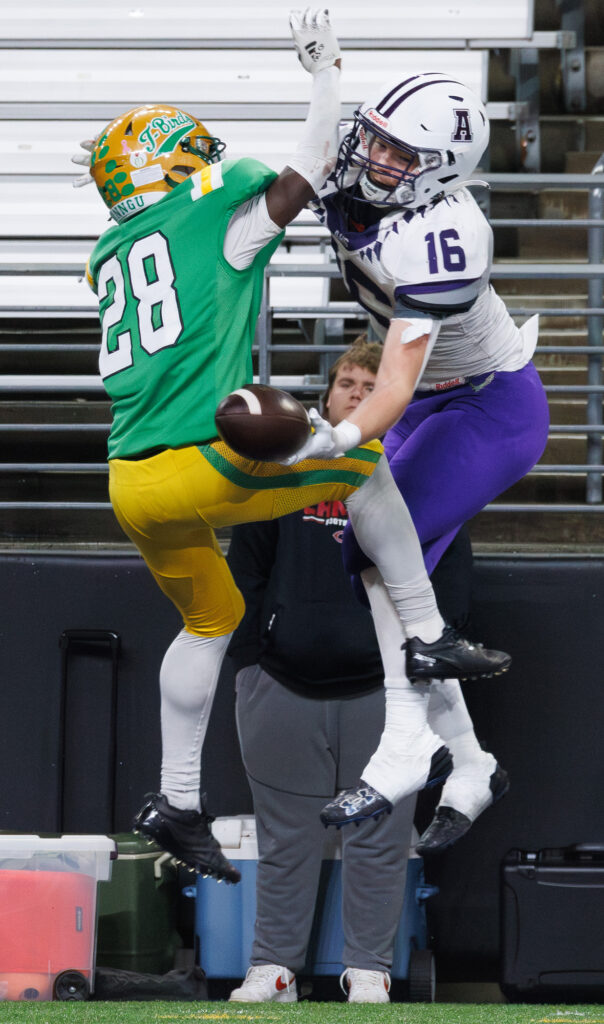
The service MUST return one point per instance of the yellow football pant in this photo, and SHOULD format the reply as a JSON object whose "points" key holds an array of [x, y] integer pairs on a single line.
{"points": [[170, 504]]}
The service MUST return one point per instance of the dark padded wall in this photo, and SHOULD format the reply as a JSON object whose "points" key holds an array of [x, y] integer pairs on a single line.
{"points": [[542, 720], [44, 595]]}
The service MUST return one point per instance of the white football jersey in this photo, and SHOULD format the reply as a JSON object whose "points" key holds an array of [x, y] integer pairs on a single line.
{"points": [[432, 262]]}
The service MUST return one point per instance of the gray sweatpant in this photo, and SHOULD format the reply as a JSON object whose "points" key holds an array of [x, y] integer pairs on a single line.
{"points": [[298, 752]]}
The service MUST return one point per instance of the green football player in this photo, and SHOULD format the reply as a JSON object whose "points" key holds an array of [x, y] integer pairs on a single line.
{"points": [[179, 280]]}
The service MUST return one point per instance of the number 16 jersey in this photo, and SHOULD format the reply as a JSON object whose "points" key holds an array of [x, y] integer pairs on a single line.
{"points": [[433, 262]]}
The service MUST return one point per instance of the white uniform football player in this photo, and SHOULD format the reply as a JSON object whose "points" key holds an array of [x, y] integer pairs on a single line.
{"points": [[461, 406]]}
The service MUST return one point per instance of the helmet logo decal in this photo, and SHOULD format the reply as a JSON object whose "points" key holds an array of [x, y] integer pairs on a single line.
{"points": [[138, 158], [373, 115], [162, 133], [462, 132]]}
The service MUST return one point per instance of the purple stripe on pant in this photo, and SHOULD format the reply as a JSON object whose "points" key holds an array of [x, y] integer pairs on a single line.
{"points": [[455, 451]]}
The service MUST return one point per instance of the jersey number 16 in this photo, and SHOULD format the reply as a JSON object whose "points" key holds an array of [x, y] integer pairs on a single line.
{"points": [[452, 256]]}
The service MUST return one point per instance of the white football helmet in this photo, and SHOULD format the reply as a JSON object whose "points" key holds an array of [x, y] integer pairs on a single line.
{"points": [[435, 121]]}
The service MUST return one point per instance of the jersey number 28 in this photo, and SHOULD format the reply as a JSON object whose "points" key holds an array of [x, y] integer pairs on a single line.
{"points": [[151, 282]]}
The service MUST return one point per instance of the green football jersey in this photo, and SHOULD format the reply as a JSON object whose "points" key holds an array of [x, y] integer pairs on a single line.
{"points": [[177, 320]]}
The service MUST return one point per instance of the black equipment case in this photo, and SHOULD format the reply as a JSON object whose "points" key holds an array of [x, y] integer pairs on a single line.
{"points": [[552, 924]]}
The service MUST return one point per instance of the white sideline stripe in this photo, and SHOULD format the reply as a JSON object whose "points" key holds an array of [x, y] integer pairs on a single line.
{"points": [[251, 400]]}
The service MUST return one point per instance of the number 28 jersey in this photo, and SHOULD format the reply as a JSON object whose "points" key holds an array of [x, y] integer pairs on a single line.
{"points": [[177, 320], [432, 262]]}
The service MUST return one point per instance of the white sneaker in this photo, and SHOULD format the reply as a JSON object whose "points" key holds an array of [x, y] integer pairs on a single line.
{"points": [[266, 983], [366, 986]]}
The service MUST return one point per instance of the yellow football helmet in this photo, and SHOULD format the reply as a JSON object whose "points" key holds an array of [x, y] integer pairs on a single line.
{"points": [[145, 153]]}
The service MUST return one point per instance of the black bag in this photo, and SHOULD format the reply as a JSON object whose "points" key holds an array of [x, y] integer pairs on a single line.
{"points": [[181, 986], [88, 730], [552, 924]]}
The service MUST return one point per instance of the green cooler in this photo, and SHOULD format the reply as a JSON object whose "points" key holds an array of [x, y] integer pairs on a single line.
{"points": [[137, 910]]}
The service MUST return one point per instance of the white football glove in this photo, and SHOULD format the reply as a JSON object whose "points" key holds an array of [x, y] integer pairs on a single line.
{"points": [[83, 159], [314, 39], [326, 442]]}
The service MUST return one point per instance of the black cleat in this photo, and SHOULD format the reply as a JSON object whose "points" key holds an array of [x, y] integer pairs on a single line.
{"points": [[356, 804], [186, 835], [452, 657], [449, 825], [446, 827], [363, 801], [499, 783], [441, 767]]}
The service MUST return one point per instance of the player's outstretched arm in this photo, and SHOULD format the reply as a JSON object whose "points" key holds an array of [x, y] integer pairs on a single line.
{"points": [[319, 53], [406, 350]]}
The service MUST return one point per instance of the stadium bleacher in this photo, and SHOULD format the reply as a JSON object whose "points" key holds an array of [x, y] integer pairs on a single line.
{"points": [[66, 70]]}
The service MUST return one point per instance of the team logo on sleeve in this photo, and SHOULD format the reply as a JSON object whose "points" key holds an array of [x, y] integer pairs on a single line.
{"points": [[462, 131]]}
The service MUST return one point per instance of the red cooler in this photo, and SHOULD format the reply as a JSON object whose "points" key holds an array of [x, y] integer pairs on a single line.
{"points": [[48, 891]]}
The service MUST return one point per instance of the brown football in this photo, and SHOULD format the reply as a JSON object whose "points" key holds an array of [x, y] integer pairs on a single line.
{"points": [[262, 423]]}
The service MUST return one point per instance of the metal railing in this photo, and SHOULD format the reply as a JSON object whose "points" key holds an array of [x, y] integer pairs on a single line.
{"points": [[591, 271]]}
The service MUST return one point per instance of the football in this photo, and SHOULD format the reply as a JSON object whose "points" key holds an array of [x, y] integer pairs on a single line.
{"points": [[262, 423]]}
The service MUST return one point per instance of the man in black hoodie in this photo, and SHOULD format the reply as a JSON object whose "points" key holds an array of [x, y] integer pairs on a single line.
{"points": [[310, 711]]}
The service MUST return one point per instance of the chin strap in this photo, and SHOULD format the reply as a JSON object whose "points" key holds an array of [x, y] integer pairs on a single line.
{"points": [[384, 198], [475, 181]]}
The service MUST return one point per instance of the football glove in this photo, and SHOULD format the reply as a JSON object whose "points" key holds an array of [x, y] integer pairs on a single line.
{"points": [[326, 442], [83, 159], [314, 39]]}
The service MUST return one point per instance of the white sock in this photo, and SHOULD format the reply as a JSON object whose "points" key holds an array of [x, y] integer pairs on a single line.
{"points": [[388, 626], [468, 787], [448, 715], [187, 680], [385, 532], [422, 617], [401, 762]]}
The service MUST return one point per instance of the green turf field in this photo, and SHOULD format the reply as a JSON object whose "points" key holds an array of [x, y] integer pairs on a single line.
{"points": [[298, 1013]]}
